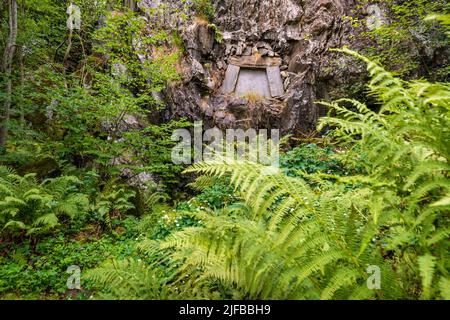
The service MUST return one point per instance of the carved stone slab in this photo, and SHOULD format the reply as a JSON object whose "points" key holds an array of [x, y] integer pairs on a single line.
{"points": [[275, 81], [231, 77], [253, 81], [254, 74]]}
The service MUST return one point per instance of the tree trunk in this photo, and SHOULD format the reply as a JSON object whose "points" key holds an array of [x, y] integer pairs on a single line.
{"points": [[22, 83], [7, 70], [22, 6]]}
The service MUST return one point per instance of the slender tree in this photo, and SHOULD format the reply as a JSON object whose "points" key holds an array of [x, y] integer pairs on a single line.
{"points": [[7, 69]]}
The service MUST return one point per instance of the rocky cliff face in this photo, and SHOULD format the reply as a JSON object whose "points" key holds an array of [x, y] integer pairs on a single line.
{"points": [[298, 32]]}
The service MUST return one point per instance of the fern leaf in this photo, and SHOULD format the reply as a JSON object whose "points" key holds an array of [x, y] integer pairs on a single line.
{"points": [[427, 264]]}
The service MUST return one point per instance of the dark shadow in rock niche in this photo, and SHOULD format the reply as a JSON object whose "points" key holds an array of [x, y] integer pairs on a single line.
{"points": [[253, 75]]}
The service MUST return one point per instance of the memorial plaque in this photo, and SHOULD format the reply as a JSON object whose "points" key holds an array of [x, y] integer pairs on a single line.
{"points": [[253, 81], [253, 75]]}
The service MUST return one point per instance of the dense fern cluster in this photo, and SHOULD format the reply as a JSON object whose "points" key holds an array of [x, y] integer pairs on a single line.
{"points": [[133, 279], [32, 207], [37, 207], [407, 161]]}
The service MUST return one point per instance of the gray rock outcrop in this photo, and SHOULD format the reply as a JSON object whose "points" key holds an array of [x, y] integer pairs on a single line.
{"points": [[298, 32]]}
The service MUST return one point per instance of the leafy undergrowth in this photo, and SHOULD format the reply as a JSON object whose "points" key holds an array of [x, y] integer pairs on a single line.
{"points": [[36, 268], [39, 270]]}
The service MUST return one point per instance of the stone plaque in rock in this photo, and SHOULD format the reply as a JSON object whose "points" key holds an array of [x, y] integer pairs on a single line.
{"points": [[253, 81]]}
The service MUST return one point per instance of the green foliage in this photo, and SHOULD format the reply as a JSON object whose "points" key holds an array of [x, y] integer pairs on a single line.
{"points": [[203, 8], [311, 159], [123, 39], [153, 152], [88, 103], [39, 271], [26, 204], [289, 246], [215, 193], [113, 201], [404, 42], [442, 18], [82, 119], [407, 156], [132, 279], [218, 36], [171, 222]]}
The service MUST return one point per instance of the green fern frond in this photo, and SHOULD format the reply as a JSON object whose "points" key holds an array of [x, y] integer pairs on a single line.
{"points": [[131, 279], [444, 287], [427, 265]]}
